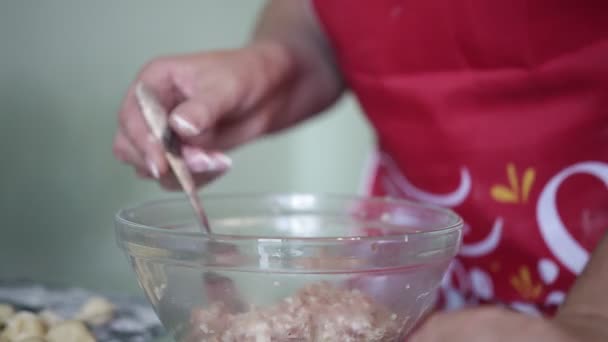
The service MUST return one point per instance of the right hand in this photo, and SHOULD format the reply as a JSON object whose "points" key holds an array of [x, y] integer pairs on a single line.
{"points": [[217, 101]]}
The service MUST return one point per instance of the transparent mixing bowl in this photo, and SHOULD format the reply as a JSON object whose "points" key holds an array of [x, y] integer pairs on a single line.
{"points": [[290, 267]]}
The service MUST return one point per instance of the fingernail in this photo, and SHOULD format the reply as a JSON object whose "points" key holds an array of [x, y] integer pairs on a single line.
{"points": [[153, 169], [223, 160], [202, 162], [184, 126], [198, 162], [219, 162]]}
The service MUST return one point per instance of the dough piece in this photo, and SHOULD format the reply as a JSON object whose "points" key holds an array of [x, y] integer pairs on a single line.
{"points": [[69, 331], [6, 312], [50, 318], [22, 325], [96, 311], [30, 339]]}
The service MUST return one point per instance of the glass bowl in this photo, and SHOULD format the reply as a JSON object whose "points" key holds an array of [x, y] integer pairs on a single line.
{"points": [[290, 267]]}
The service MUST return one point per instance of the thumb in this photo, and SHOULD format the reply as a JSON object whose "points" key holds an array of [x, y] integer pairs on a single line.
{"points": [[192, 118], [198, 115]]}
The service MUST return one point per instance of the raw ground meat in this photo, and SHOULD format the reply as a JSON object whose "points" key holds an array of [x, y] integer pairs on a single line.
{"points": [[318, 312]]}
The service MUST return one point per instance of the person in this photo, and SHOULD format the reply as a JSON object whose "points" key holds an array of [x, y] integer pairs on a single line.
{"points": [[496, 109]]}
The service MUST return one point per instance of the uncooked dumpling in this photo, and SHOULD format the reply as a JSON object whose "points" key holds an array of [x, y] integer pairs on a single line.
{"points": [[50, 318], [22, 325], [69, 331], [6, 312], [96, 311], [30, 339]]}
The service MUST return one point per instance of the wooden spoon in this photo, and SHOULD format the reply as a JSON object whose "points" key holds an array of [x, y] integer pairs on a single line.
{"points": [[156, 118]]}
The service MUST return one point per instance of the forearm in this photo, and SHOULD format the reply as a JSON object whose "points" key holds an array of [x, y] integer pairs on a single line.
{"points": [[586, 307], [291, 26]]}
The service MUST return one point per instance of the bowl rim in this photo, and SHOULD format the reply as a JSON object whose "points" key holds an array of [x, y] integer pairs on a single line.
{"points": [[455, 221]]}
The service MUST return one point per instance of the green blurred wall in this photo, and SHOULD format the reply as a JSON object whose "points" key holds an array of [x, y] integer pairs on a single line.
{"points": [[64, 65]]}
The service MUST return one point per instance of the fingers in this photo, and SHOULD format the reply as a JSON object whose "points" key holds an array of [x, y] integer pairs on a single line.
{"points": [[171, 183], [200, 162], [216, 101], [158, 77], [147, 147], [205, 168], [196, 101], [126, 153]]}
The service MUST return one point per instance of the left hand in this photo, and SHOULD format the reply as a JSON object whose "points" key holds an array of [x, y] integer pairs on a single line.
{"points": [[494, 324]]}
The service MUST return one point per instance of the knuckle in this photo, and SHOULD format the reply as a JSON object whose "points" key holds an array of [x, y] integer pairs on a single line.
{"points": [[133, 129], [119, 148], [154, 65], [117, 151], [231, 94], [124, 117]]}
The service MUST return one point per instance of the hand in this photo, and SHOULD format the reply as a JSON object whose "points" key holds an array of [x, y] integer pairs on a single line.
{"points": [[217, 101], [493, 324]]}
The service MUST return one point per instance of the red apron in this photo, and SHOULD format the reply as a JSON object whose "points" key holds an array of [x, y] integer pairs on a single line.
{"points": [[498, 110]]}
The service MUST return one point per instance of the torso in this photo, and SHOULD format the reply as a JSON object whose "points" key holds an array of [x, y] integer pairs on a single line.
{"points": [[498, 110]]}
